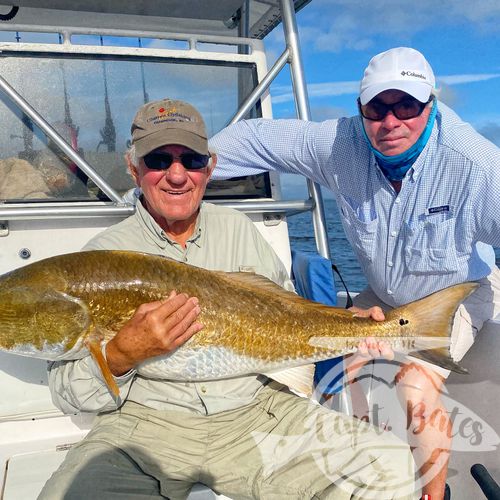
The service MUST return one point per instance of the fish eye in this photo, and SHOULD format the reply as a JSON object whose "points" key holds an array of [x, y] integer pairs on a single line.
{"points": [[403, 321]]}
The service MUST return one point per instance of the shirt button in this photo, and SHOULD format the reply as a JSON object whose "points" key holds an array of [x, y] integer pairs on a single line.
{"points": [[389, 292], [398, 200], [203, 389], [390, 263], [394, 233]]}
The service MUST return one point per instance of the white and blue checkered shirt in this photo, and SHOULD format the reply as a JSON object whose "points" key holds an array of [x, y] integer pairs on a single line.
{"points": [[409, 244]]}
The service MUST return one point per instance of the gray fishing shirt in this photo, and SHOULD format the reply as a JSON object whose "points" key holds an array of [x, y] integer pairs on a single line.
{"points": [[223, 240]]}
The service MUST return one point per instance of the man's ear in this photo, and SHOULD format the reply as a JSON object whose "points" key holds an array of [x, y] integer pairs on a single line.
{"points": [[132, 170]]}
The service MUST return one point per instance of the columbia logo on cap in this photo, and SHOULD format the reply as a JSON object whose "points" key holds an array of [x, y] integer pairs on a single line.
{"points": [[412, 73]]}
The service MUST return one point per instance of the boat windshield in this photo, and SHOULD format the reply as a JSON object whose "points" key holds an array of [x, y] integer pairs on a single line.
{"points": [[90, 100]]}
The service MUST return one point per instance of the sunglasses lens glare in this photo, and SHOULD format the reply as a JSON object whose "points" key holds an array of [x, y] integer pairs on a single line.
{"points": [[194, 161]]}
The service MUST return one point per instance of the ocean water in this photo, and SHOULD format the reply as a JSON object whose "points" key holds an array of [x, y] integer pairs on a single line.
{"points": [[302, 238]]}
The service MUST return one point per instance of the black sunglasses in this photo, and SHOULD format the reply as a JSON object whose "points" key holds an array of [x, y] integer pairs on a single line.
{"points": [[406, 109], [162, 161]]}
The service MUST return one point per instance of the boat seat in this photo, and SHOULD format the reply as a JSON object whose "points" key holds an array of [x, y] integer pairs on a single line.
{"points": [[313, 278]]}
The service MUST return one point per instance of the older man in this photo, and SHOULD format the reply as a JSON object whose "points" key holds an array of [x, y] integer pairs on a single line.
{"points": [[418, 193], [246, 437]]}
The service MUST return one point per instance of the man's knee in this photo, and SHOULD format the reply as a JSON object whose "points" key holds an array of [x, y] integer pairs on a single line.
{"points": [[420, 386]]}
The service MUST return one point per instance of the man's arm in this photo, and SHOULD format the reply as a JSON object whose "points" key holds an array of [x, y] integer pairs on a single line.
{"points": [[287, 146], [78, 386]]}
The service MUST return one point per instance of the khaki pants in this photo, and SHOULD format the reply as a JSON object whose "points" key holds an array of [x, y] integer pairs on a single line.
{"points": [[279, 447]]}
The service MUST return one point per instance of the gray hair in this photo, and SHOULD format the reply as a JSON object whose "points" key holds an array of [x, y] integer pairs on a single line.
{"points": [[132, 155]]}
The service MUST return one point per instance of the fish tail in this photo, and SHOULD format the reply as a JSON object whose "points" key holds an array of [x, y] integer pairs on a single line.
{"points": [[432, 317], [94, 346]]}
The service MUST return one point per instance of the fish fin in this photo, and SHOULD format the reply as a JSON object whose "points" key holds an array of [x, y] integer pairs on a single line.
{"points": [[299, 379], [252, 281], [439, 357], [93, 343], [433, 316]]}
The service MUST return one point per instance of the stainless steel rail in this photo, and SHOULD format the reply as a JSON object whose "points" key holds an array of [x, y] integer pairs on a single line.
{"points": [[261, 87], [303, 112], [23, 211], [288, 208], [16, 212]]}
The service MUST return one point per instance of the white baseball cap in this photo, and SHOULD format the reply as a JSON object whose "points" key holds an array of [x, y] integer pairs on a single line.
{"points": [[401, 68]]}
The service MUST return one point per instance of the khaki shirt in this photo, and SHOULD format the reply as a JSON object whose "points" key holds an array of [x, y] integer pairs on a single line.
{"points": [[224, 240]]}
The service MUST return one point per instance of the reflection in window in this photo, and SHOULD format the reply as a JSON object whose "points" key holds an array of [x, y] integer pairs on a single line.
{"points": [[91, 104]]}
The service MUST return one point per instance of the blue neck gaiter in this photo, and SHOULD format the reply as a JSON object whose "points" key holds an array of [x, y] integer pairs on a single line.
{"points": [[395, 167]]}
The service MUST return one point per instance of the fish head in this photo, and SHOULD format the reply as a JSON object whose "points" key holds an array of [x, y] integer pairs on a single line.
{"points": [[41, 322]]}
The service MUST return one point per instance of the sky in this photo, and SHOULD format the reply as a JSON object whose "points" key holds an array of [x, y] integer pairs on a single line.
{"points": [[459, 38]]}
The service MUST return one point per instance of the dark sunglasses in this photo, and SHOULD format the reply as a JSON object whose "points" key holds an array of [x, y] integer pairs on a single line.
{"points": [[405, 109], [162, 161]]}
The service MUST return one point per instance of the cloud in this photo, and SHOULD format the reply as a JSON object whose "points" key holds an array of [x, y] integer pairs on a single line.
{"points": [[334, 25], [283, 93], [447, 94], [321, 113], [467, 78]]}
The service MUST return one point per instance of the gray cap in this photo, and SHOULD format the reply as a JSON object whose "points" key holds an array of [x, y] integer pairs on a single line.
{"points": [[164, 122]]}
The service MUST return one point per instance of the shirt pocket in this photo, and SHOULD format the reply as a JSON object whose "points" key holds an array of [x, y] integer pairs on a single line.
{"points": [[360, 226], [430, 247]]}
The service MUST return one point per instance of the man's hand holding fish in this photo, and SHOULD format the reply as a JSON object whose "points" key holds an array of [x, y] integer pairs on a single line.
{"points": [[156, 328]]}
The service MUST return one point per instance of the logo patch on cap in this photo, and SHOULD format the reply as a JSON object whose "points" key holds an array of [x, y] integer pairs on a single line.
{"points": [[169, 115], [412, 73]]}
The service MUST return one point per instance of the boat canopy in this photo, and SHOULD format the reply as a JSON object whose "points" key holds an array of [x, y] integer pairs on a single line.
{"points": [[219, 17]]}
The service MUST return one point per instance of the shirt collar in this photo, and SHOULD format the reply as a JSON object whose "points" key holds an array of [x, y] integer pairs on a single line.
{"points": [[160, 237]]}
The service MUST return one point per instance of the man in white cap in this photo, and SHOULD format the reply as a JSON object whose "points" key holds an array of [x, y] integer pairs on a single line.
{"points": [[418, 193]]}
